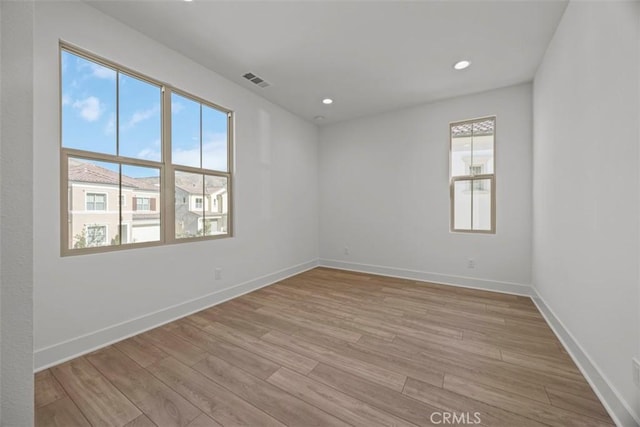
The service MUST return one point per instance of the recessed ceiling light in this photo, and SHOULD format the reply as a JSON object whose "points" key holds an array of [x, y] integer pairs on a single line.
{"points": [[461, 65], [319, 118], [188, 1], [327, 101]]}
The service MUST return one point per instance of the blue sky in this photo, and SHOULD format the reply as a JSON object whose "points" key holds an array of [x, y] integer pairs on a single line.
{"points": [[89, 114]]}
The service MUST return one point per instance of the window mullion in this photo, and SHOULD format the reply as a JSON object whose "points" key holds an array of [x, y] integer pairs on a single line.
{"points": [[168, 222]]}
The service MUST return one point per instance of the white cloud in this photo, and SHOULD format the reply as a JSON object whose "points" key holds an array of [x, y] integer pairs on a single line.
{"points": [[102, 72], [110, 127], [176, 107], [214, 153], [66, 99], [152, 152], [140, 116], [186, 157], [90, 108]]}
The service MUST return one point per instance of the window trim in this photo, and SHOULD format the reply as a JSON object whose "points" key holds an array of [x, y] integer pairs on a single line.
{"points": [[166, 204], [472, 178]]}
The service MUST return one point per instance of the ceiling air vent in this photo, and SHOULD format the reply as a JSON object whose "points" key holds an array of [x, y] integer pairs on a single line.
{"points": [[256, 80]]}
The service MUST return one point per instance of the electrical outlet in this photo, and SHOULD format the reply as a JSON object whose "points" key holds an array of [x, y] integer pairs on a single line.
{"points": [[217, 273], [636, 371], [471, 263], [346, 250]]}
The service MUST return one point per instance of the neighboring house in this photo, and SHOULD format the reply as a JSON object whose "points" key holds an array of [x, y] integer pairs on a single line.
{"points": [[201, 213], [95, 204]]}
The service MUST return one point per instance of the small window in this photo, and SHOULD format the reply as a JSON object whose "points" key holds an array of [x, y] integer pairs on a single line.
{"points": [[96, 202], [472, 175], [96, 235], [143, 204], [199, 204]]}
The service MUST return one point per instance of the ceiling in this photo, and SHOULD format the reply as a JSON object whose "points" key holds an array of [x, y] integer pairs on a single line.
{"points": [[370, 57]]}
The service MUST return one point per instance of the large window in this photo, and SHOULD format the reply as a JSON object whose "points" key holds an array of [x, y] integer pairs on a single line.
{"points": [[472, 175], [127, 136]]}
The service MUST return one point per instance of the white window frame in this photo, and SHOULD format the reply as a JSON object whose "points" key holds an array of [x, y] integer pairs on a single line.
{"points": [[166, 201], [473, 179], [93, 193]]}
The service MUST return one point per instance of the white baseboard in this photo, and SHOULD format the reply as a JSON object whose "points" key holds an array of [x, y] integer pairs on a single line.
{"points": [[616, 406], [424, 276], [61, 352]]}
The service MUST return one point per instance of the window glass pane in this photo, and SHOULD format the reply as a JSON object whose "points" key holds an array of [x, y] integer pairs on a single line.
{"points": [[214, 139], [140, 116], [215, 220], [142, 209], [462, 205], [482, 204], [185, 131], [189, 204], [93, 203], [88, 97], [461, 155], [483, 145]]}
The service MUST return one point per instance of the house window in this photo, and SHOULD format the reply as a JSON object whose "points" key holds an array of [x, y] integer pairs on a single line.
{"points": [[96, 235], [199, 204], [96, 202], [472, 175], [121, 133], [143, 203]]}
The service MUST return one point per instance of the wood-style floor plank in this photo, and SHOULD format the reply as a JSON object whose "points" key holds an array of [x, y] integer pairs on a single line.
{"points": [[378, 396], [141, 421], [271, 399], [224, 407], [546, 414], [331, 347], [459, 404], [204, 421], [47, 389], [174, 345], [341, 405], [61, 413], [141, 350], [296, 361], [163, 405], [100, 402], [250, 362], [374, 373], [582, 405]]}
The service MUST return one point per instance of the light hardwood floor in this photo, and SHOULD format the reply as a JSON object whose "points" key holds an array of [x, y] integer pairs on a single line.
{"points": [[331, 348]]}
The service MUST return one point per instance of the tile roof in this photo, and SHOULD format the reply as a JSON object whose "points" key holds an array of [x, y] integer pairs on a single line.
{"points": [[86, 171], [485, 127]]}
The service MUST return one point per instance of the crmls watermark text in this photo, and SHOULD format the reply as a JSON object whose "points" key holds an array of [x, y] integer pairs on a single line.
{"points": [[456, 418]]}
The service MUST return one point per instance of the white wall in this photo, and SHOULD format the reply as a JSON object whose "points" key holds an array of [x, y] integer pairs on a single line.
{"points": [[16, 214], [586, 185], [81, 301], [385, 193]]}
